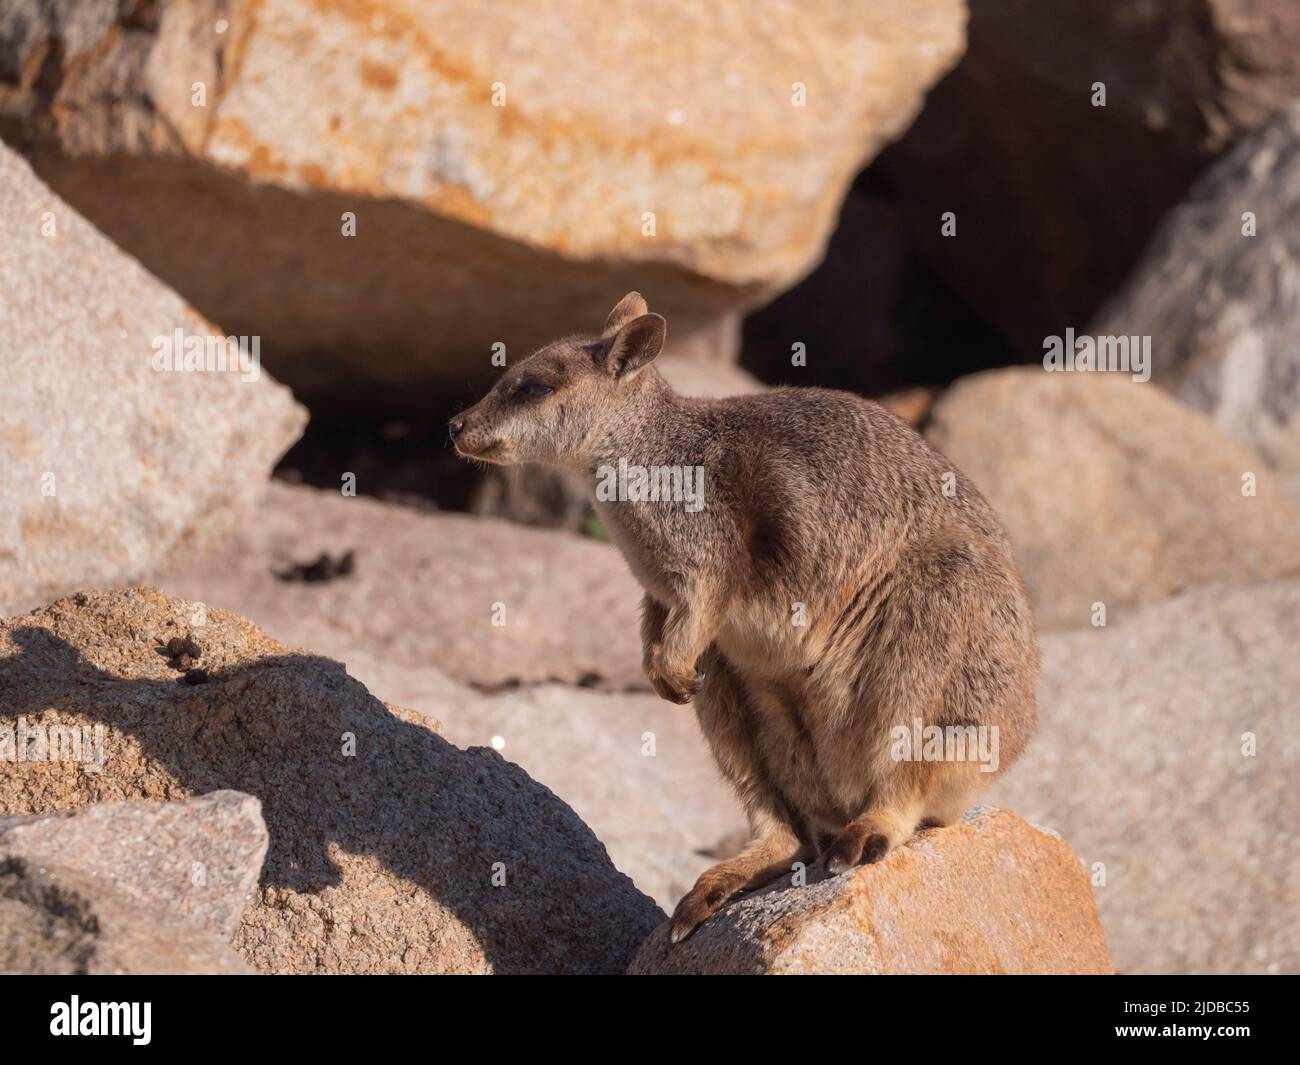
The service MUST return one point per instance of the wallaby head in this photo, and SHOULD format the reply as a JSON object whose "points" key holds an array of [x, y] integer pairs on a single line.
{"points": [[548, 407]]}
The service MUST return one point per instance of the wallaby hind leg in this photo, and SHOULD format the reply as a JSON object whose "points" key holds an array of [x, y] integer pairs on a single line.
{"points": [[932, 794], [771, 855], [958, 787], [724, 715], [870, 837]]}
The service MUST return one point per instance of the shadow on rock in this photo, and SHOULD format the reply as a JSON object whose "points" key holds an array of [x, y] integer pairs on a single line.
{"points": [[390, 848]]}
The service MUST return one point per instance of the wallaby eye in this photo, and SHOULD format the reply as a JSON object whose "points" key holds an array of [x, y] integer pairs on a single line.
{"points": [[535, 388]]}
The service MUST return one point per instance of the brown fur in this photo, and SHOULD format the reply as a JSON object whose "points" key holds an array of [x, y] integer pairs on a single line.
{"points": [[910, 597]]}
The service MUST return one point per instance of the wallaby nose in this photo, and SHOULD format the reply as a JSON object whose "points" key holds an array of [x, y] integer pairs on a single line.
{"points": [[455, 426]]}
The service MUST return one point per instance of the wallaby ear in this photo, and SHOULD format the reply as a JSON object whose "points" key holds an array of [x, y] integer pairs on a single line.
{"points": [[636, 343], [629, 307]]}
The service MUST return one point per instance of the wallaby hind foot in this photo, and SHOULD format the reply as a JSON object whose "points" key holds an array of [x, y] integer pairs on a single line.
{"points": [[926, 795], [766, 859], [867, 839]]}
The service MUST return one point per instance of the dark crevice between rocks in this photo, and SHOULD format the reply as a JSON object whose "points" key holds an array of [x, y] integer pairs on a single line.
{"points": [[874, 317], [1055, 198]]}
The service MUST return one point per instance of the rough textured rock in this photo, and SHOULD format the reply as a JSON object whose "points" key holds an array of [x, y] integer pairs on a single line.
{"points": [[634, 767], [990, 895], [1224, 307], [109, 465], [475, 223], [56, 922], [1140, 760], [1112, 491], [1055, 198], [385, 840], [424, 589], [199, 858]]}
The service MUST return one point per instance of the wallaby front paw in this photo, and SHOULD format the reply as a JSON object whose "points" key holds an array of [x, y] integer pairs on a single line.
{"points": [[674, 686], [679, 692]]}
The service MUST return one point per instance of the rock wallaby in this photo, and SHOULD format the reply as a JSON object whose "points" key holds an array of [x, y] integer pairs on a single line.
{"points": [[822, 583]]}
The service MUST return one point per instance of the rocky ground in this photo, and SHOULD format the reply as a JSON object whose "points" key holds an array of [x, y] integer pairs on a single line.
{"points": [[327, 731], [390, 848], [382, 847]]}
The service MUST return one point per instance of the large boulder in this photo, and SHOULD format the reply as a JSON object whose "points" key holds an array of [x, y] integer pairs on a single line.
{"points": [[391, 850], [1168, 753], [500, 165], [1219, 291], [110, 465], [1054, 197], [489, 603], [989, 895], [633, 766], [1113, 492]]}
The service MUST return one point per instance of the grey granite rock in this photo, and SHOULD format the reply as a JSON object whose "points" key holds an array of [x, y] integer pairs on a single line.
{"points": [[56, 922], [111, 466], [1167, 752], [1218, 291], [489, 603], [1112, 491], [200, 857]]}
